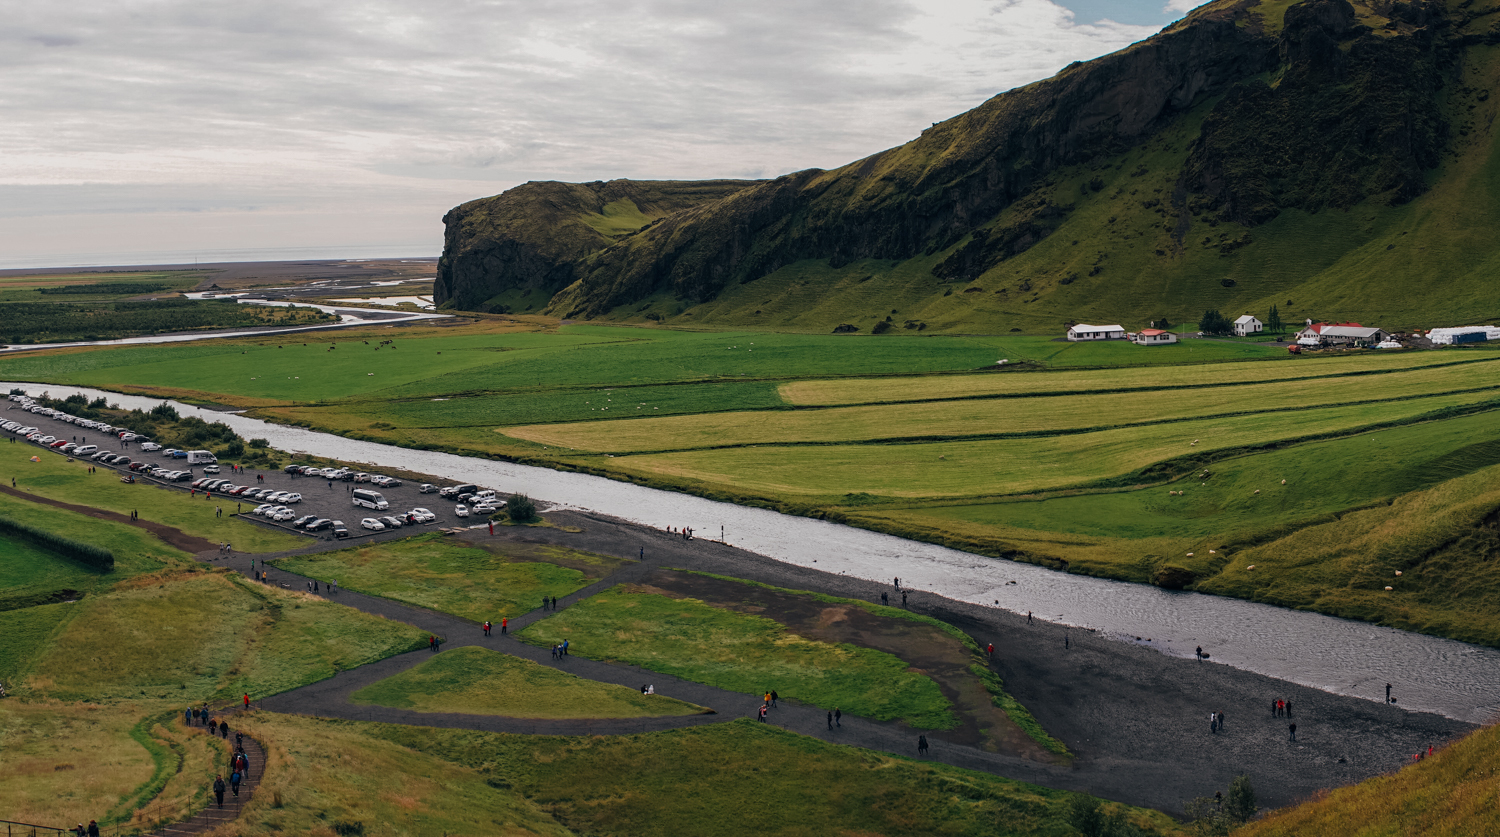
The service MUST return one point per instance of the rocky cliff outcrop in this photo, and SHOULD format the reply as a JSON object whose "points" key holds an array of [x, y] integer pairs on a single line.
{"points": [[1322, 104]]}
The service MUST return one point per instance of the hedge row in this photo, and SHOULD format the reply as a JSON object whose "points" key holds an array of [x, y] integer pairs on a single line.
{"points": [[95, 556]]}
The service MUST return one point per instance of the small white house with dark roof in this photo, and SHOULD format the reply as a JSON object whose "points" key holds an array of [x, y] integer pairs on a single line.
{"points": [[1154, 337], [1096, 332], [1246, 326]]}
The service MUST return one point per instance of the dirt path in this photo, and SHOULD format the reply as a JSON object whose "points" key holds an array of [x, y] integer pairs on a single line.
{"points": [[176, 537]]}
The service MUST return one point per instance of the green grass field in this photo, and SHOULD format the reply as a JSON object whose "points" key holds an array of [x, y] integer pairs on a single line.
{"points": [[477, 681], [748, 778], [68, 764], [56, 478], [742, 653], [430, 571], [199, 636]]}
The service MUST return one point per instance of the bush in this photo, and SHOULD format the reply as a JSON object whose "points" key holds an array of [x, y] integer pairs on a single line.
{"points": [[881, 327], [1215, 323], [520, 508], [259, 443], [95, 556]]}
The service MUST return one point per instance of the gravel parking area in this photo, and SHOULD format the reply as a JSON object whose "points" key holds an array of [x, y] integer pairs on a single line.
{"points": [[325, 498]]}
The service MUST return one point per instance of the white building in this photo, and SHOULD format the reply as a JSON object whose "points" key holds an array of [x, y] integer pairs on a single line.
{"points": [[1352, 336], [1096, 332], [1246, 326], [1154, 337]]}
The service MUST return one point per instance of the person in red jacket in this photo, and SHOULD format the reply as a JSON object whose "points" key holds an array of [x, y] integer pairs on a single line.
{"points": [[504, 624]]}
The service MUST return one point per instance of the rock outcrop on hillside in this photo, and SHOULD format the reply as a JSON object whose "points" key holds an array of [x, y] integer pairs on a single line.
{"points": [[1326, 105]]}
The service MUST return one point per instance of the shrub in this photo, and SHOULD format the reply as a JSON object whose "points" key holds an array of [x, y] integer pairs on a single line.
{"points": [[520, 508], [259, 443], [881, 327], [95, 556], [1173, 577]]}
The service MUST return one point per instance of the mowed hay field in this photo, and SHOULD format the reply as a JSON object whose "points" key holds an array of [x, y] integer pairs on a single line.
{"points": [[1067, 455]]}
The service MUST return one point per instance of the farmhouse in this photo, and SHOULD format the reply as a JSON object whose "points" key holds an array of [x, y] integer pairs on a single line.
{"points": [[1246, 326], [1314, 331], [1154, 337], [1094, 332]]}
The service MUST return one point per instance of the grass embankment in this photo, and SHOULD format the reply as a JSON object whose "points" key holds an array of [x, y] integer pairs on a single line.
{"points": [[748, 778], [477, 681], [1452, 794], [335, 777], [743, 653], [480, 584], [70, 482], [195, 636], [68, 763]]}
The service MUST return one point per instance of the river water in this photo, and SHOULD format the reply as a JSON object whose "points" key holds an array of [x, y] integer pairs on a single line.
{"points": [[1427, 673]]}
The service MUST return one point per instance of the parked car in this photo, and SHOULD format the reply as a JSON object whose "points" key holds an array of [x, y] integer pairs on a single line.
{"points": [[485, 508], [282, 514], [422, 515], [292, 469], [262, 509], [372, 524], [292, 497], [339, 529], [319, 525], [427, 488], [150, 446], [85, 450], [361, 477], [390, 521], [57, 443], [452, 491], [210, 469], [461, 510], [304, 520]]}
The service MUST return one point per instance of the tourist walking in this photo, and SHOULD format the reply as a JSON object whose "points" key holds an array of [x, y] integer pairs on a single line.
{"points": [[1292, 730], [486, 627], [219, 790], [921, 745], [234, 784], [838, 717], [504, 625], [830, 720]]}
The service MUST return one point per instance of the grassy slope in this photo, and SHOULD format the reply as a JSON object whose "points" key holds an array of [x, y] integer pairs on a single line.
{"points": [[478, 681], [197, 636], [742, 653], [67, 764], [429, 572], [1452, 794], [674, 783], [330, 772], [1114, 258], [56, 478]]}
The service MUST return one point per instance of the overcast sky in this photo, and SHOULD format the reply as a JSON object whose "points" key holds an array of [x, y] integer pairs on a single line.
{"points": [[146, 131]]}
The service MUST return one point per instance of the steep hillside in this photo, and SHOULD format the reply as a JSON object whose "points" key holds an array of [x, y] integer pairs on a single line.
{"points": [[520, 248], [1332, 158]]}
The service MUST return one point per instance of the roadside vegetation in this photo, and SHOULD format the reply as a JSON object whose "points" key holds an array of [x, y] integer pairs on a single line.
{"points": [[62, 322], [476, 681], [55, 478]]}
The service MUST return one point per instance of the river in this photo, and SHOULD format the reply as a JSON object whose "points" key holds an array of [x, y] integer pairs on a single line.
{"points": [[1456, 679]]}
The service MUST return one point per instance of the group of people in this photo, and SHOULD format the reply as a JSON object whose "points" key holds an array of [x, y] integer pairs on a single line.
{"points": [[91, 830], [560, 651], [686, 532], [239, 772], [504, 626], [767, 704]]}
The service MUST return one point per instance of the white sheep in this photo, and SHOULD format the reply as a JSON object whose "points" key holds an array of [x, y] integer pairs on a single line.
{"points": [[1389, 589], [1398, 572]]}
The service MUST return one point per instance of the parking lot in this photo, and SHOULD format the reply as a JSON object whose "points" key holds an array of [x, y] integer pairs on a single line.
{"points": [[330, 499]]}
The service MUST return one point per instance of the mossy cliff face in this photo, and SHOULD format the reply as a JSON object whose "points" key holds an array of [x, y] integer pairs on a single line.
{"points": [[528, 240], [1270, 106]]}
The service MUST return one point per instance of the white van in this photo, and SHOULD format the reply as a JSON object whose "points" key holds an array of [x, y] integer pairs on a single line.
{"points": [[485, 494], [199, 457], [370, 500]]}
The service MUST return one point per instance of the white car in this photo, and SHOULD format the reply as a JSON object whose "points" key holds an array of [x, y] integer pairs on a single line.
{"points": [[489, 507], [422, 515], [85, 450], [262, 509], [282, 513], [279, 497], [150, 446], [372, 524], [211, 469], [293, 497], [461, 510]]}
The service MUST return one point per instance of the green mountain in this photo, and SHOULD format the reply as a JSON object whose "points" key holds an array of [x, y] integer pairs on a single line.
{"points": [[1335, 159]]}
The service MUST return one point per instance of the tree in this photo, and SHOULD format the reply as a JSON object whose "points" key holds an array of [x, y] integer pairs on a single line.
{"points": [[1240, 804], [1273, 321], [520, 508], [1214, 323]]}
